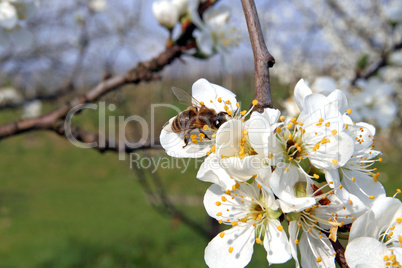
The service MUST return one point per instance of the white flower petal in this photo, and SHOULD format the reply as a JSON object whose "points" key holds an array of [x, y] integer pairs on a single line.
{"points": [[292, 237], [311, 247], [300, 93], [339, 98], [363, 187], [276, 244], [205, 42], [211, 171], [282, 183], [366, 252], [239, 240], [224, 209], [241, 169], [205, 91]]}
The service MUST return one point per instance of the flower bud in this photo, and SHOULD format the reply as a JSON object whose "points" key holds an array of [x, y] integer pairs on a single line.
{"points": [[8, 15], [166, 13], [181, 5]]}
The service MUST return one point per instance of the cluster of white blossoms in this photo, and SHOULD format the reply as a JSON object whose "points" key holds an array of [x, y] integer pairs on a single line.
{"points": [[214, 34], [314, 173], [371, 100]]}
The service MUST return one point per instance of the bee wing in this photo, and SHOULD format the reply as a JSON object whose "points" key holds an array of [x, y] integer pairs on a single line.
{"points": [[167, 127], [185, 98]]}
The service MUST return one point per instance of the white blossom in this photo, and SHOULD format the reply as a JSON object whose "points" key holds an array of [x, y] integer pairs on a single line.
{"points": [[376, 237], [254, 216], [215, 34]]}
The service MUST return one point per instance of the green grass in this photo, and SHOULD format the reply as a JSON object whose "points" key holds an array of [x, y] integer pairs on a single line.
{"points": [[61, 206]]}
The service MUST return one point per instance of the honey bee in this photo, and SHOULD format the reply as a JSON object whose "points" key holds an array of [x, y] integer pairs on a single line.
{"points": [[196, 116]]}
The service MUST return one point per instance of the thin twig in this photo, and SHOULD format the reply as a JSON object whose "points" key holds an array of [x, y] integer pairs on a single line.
{"points": [[263, 60], [376, 67]]}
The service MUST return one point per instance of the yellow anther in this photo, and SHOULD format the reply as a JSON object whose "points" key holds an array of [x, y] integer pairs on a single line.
{"points": [[228, 192], [227, 102], [229, 112], [310, 230], [353, 179], [297, 241], [243, 112], [224, 199], [202, 103], [234, 223], [293, 120], [278, 130], [340, 186], [349, 111], [258, 241], [280, 228], [193, 136], [289, 126], [213, 148], [218, 203], [219, 99], [226, 107], [380, 159], [334, 162], [282, 118], [371, 196], [205, 127], [318, 124], [222, 234], [316, 176], [351, 202], [328, 124], [334, 132], [220, 221], [237, 185], [237, 105], [270, 156], [287, 169], [255, 102], [219, 214], [230, 249], [244, 132], [290, 137]]}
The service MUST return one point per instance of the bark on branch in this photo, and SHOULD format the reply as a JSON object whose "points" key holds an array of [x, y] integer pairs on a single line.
{"points": [[263, 60]]}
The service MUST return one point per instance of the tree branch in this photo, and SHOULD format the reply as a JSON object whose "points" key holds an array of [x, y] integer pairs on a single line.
{"points": [[263, 60], [145, 71], [340, 253], [376, 67]]}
